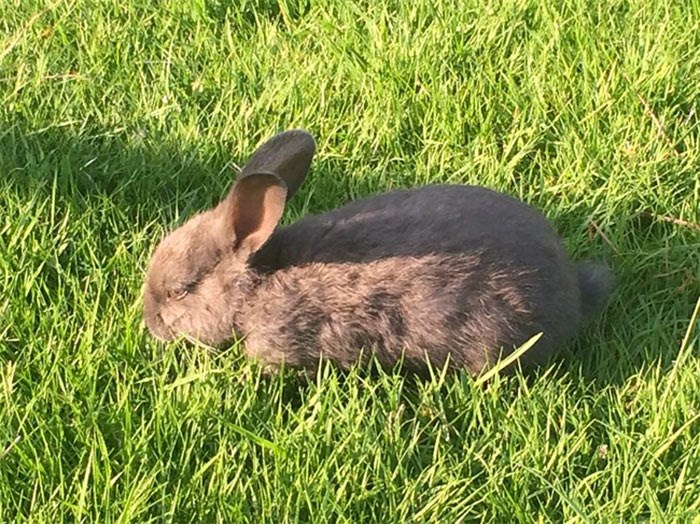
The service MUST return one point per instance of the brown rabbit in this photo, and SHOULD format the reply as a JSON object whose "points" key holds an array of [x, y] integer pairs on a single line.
{"points": [[443, 273]]}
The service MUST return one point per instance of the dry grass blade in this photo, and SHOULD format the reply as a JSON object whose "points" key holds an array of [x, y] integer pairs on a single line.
{"points": [[675, 221]]}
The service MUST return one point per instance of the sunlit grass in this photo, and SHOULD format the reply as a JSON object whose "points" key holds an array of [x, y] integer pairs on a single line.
{"points": [[120, 119]]}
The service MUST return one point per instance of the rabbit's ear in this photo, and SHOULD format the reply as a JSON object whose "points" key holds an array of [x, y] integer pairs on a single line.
{"points": [[287, 155], [252, 210]]}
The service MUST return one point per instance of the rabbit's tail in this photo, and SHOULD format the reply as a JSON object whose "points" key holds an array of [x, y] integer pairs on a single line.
{"points": [[596, 282]]}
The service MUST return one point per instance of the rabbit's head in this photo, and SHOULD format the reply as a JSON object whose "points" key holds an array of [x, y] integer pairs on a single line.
{"points": [[199, 277]]}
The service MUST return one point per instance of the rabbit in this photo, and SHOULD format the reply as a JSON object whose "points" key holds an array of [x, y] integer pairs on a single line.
{"points": [[438, 275]]}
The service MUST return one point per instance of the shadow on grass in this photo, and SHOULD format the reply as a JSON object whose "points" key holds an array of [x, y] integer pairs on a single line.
{"points": [[136, 173]]}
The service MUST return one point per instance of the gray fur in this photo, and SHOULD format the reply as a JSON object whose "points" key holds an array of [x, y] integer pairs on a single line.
{"points": [[596, 282], [446, 273]]}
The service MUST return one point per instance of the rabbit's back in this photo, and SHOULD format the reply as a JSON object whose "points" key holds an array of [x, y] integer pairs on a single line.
{"points": [[454, 271], [449, 219]]}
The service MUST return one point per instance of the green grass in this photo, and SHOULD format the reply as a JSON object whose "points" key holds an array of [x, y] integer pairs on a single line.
{"points": [[120, 118]]}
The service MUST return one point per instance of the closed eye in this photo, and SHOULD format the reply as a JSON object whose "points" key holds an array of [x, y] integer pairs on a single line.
{"points": [[178, 293]]}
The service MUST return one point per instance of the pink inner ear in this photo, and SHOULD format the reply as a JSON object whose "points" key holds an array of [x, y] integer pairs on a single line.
{"points": [[257, 206]]}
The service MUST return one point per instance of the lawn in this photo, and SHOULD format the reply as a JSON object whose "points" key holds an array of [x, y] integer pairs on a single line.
{"points": [[118, 119]]}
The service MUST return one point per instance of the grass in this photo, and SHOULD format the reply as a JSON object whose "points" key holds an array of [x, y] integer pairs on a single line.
{"points": [[119, 119]]}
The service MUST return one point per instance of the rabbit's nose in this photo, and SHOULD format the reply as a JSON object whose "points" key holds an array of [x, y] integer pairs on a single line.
{"points": [[157, 327], [153, 319]]}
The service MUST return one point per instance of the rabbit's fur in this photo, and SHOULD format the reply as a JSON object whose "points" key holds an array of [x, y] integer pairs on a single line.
{"points": [[444, 273]]}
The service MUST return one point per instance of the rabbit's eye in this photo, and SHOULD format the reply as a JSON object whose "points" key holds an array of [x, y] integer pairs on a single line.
{"points": [[177, 293]]}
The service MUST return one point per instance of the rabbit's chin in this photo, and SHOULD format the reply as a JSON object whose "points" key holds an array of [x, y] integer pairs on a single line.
{"points": [[166, 333], [195, 342], [158, 329], [198, 341]]}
